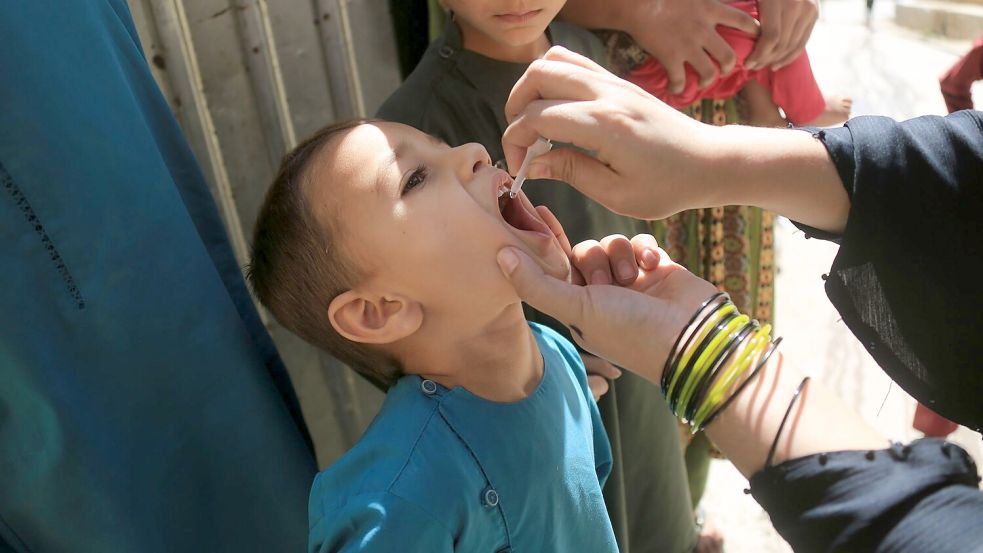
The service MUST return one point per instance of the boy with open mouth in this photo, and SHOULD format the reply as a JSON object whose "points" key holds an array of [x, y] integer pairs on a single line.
{"points": [[377, 243]]}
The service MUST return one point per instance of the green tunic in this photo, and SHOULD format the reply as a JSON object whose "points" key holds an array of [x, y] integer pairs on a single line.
{"points": [[459, 96]]}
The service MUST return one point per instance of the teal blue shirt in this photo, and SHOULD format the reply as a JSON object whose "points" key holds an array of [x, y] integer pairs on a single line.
{"points": [[143, 407], [444, 470]]}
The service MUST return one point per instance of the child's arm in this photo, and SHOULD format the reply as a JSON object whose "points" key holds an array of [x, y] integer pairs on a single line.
{"points": [[785, 28], [675, 32], [378, 523]]}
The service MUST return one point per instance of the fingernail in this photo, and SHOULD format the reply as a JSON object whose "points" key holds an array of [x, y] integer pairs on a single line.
{"points": [[750, 65], [599, 277], [649, 259], [538, 171], [617, 373], [507, 260], [626, 271]]}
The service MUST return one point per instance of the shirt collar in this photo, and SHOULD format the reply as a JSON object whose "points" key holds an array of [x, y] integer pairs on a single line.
{"points": [[493, 79]]}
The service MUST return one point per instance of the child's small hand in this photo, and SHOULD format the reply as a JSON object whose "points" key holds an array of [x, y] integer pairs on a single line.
{"points": [[599, 372], [610, 261]]}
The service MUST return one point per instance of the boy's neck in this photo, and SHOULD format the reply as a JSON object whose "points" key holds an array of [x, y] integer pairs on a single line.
{"points": [[478, 42], [500, 362]]}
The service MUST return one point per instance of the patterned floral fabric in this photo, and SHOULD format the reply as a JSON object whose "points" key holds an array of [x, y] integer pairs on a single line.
{"points": [[732, 246]]}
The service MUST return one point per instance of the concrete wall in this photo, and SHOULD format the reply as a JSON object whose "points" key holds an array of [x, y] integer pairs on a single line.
{"points": [[247, 79], [959, 19]]}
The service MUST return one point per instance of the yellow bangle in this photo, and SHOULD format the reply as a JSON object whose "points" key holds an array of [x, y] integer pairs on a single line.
{"points": [[691, 347], [739, 366], [709, 353], [731, 350]]}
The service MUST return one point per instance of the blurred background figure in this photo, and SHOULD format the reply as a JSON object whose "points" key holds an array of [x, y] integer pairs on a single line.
{"points": [[958, 80]]}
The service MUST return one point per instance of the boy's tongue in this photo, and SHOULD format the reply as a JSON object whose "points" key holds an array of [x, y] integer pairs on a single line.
{"points": [[516, 213]]}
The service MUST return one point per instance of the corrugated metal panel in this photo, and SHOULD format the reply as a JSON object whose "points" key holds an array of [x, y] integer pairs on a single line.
{"points": [[247, 79]]}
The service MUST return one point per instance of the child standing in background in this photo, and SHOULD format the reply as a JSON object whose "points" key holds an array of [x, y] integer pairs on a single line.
{"points": [[458, 92]]}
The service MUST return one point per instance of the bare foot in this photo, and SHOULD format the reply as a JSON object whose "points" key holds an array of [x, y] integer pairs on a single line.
{"points": [[710, 540], [837, 111]]}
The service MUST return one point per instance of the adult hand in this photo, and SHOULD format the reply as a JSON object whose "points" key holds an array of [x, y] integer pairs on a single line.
{"points": [[634, 326], [592, 257], [599, 372], [650, 158], [677, 32], [650, 161], [785, 29]]}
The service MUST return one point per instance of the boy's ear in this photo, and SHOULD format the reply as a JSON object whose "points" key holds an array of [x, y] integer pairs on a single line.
{"points": [[368, 319]]}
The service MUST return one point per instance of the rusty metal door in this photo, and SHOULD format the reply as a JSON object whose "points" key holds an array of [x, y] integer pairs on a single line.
{"points": [[246, 79]]}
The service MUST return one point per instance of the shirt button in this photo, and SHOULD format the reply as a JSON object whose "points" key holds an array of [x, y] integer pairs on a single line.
{"points": [[446, 51], [429, 387], [489, 497]]}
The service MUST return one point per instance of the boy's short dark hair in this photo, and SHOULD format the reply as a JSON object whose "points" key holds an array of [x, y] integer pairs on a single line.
{"points": [[298, 266]]}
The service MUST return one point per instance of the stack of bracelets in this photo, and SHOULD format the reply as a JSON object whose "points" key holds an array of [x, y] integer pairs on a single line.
{"points": [[715, 349]]}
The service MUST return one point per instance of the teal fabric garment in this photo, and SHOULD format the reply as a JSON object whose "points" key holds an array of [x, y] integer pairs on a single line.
{"points": [[444, 470], [143, 407]]}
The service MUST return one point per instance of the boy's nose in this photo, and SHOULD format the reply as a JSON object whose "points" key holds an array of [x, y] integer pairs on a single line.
{"points": [[468, 159]]}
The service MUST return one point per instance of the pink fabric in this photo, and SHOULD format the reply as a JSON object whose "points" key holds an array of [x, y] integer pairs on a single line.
{"points": [[793, 87]]}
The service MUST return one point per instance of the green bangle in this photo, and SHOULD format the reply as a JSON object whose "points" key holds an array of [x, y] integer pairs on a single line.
{"points": [[756, 345], [727, 353], [703, 362], [705, 328], [686, 371], [669, 368]]}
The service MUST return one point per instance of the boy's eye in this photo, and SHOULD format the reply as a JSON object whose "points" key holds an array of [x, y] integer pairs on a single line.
{"points": [[416, 178]]}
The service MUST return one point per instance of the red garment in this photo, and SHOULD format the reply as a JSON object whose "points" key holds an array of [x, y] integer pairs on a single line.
{"points": [[956, 82], [793, 87]]}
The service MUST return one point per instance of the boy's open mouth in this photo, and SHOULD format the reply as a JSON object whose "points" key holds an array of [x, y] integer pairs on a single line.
{"points": [[529, 227], [517, 213]]}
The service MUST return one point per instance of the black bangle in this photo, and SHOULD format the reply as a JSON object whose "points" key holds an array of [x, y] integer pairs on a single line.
{"points": [[740, 387], [695, 330], [691, 362], [689, 326], [781, 425], [699, 395]]}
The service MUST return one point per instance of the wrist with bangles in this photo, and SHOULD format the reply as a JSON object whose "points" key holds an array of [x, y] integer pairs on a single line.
{"points": [[714, 357]]}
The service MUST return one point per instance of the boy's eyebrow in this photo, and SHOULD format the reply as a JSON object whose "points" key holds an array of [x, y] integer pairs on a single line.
{"points": [[394, 155]]}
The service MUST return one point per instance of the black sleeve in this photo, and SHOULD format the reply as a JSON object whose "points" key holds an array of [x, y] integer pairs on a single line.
{"points": [[907, 279], [917, 498]]}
